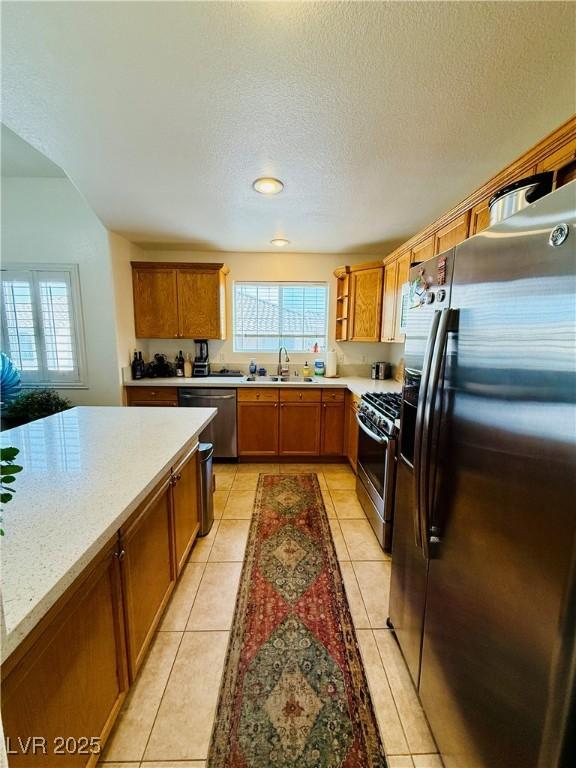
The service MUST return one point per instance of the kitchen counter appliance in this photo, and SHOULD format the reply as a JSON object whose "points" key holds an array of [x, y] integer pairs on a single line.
{"points": [[201, 366], [378, 419], [483, 585], [221, 431]]}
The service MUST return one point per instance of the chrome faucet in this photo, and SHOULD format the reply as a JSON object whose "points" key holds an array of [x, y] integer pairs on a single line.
{"points": [[281, 368]]}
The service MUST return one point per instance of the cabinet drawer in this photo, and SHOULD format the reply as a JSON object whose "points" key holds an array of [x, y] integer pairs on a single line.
{"points": [[259, 394], [300, 395], [152, 394], [333, 395]]}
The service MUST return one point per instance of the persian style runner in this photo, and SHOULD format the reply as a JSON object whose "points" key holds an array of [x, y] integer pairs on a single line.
{"points": [[294, 693]]}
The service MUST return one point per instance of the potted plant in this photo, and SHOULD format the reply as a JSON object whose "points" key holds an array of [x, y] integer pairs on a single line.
{"points": [[33, 404]]}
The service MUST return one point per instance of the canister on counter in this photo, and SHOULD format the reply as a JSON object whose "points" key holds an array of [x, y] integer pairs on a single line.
{"points": [[374, 370]]}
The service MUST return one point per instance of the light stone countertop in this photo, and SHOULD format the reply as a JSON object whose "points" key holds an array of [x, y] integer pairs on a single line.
{"points": [[356, 384], [85, 471]]}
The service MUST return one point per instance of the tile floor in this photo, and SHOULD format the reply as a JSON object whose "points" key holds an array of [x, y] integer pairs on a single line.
{"points": [[167, 719]]}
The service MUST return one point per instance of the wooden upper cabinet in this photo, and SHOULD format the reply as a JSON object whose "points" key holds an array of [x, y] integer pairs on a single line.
{"points": [[186, 522], [402, 277], [424, 250], [155, 302], [342, 303], [177, 300], [389, 305], [453, 233], [558, 158], [201, 303], [479, 217], [365, 302]]}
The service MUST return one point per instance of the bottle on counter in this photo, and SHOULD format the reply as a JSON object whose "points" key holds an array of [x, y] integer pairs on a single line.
{"points": [[252, 367], [141, 367], [135, 366], [319, 368], [180, 364], [188, 366], [306, 369]]}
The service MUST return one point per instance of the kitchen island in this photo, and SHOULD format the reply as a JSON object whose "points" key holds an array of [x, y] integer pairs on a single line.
{"points": [[104, 514]]}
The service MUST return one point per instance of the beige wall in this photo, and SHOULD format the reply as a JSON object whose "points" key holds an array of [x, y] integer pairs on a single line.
{"points": [[46, 220], [122, 252], [274, 267]]}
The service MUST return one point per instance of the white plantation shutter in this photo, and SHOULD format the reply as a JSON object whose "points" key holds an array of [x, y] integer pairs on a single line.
{"points": [[270, 315], [41, 324]]}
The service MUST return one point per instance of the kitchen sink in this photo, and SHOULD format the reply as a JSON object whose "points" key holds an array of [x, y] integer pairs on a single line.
{"points": [[281, 379]]}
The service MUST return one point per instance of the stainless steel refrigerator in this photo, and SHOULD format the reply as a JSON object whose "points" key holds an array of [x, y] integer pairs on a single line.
{"points": [[483, 587]]}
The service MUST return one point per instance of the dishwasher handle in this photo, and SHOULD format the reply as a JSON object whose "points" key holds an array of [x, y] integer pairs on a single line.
{"points": [[207, 397]]}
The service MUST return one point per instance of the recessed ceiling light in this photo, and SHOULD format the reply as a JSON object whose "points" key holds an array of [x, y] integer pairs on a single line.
{"points": [[280, 242], [268, 186]]}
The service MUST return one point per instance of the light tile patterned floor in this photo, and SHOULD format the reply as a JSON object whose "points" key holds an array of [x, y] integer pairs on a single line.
{"points": [[167, 719]]}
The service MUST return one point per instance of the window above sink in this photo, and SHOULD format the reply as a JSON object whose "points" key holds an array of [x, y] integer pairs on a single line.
{"points": [[267, 316]]}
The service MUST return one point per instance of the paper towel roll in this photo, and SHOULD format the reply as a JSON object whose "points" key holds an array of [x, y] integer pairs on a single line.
{"points": [[331, 363]]}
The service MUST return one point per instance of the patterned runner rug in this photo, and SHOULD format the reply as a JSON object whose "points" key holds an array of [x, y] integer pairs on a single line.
{"points": [[294, 693]]}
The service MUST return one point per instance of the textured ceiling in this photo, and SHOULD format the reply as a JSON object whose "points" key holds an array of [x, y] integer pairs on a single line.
{"points": [[377, 116]]}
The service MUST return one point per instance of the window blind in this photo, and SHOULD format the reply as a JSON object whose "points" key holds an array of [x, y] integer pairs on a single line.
{"points": [[270, 315], [41, 328]]}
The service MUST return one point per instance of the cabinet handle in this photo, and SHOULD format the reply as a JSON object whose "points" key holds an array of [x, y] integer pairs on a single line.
{"points": [[275, 405], [300, 395], [153, 394], [120, 555], [175, 335]]}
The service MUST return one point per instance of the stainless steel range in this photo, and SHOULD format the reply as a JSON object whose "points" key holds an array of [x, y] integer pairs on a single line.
{"points": [[379, 421]]}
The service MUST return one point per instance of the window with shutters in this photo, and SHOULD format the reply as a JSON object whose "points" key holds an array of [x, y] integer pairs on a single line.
{"points": [[268, 316], [42, 324]]}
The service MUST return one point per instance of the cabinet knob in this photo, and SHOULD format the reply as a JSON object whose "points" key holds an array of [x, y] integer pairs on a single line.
{"points": [[275, 405], [153, 394], [175, 335], [120, 555], [300, 395]]}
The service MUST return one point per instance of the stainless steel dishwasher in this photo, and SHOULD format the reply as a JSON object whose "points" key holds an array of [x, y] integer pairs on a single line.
{"points": [[221, 431]]}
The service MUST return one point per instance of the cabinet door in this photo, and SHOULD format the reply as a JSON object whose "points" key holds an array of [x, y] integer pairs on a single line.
{"points": [[71, 682], [333, 422], [558, 158], [258, 428], [352, 433], [366, 306], [479, 217], [199, 304], [424, 250], [300, 429], [147, 571], [155, 303], [452, 233], [402, 276], [389, 305], [185, 507]]}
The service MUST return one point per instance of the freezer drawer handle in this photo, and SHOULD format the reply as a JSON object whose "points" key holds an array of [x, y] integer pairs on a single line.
{"points": [[448, 323], [418, 430]]}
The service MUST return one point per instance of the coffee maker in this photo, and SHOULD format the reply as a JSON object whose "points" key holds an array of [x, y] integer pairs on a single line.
{"points": [[201, 366]]}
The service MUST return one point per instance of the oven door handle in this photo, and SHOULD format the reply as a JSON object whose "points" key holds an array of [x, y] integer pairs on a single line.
{"points": [[207, 397], [377, 438]]}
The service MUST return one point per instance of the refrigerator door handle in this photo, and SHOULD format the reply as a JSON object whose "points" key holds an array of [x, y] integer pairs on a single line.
{"points": [[445, 326], [418, 431]]}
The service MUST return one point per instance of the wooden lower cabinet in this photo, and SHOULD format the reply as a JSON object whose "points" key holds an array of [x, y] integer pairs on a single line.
{"points": [[146, 396], [352, 430], [333, 425], [148, 570], [185, 507], [300, 428], [71, 679], [258, 422]]}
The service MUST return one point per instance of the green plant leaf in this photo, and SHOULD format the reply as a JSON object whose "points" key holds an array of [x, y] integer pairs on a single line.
{"points": [[5, 498], [10, 469], [8, 454], [8, 479]]}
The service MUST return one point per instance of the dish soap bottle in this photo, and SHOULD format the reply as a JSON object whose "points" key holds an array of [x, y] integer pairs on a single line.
{"points": [[306, 369], [252, 367]]}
